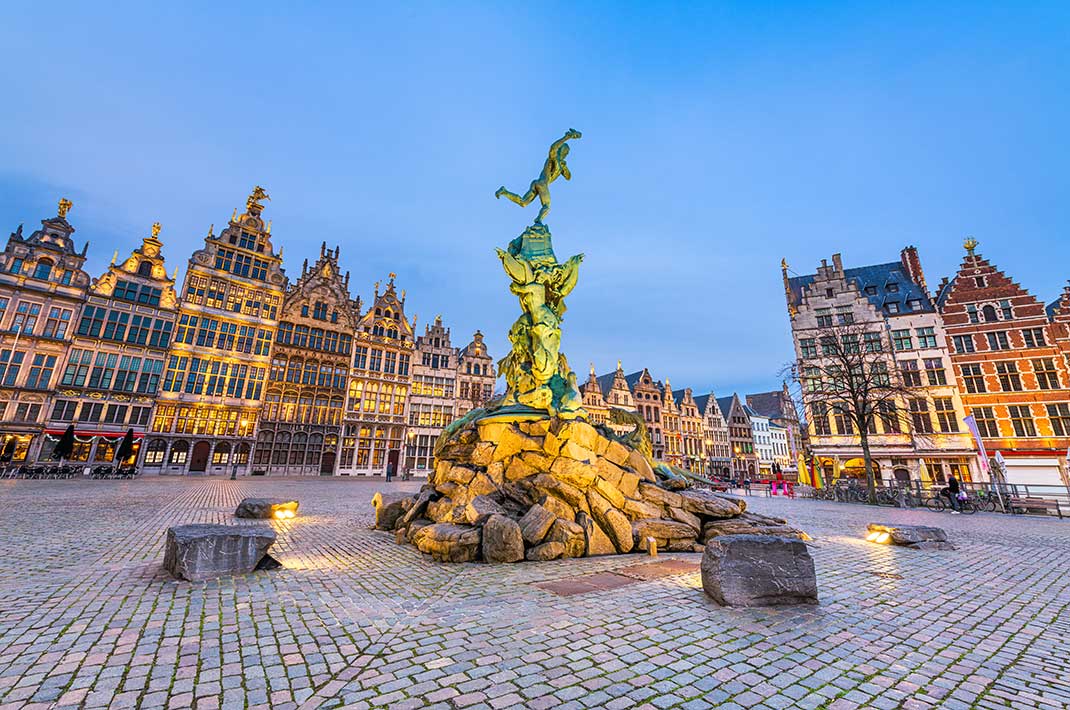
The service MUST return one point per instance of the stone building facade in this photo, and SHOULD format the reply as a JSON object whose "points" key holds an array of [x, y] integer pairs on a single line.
{"points": [[112, 371], [42, 289], [715, 437], [447, 384], [1011, 365], [920, 437], [304, 401], [475, 375], [216, 371], [744, 459], [779, 407], [648, 401], [380, 377], [693, 455], [671, 426], [433, 402]]}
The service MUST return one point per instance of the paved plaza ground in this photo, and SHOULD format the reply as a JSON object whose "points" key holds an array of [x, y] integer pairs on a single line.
{"points": [[88, 619]]}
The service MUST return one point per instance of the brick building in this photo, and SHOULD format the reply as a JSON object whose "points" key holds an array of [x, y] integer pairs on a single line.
{"points": [[1010, 360]]}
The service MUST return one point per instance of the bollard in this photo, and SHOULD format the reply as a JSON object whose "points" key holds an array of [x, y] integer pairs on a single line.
{"points": [[652, 546]]}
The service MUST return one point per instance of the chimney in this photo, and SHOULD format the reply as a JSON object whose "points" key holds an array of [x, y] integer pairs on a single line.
{"points": [[912, 264], [837, 262]]}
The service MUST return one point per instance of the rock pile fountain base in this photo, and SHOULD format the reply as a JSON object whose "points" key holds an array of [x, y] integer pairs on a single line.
{"points": [[510, 487]]}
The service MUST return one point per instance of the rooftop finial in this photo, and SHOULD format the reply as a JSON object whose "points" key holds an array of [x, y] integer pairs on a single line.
{"points": [[970, 245], [156, 227], [592, 369], [619, 366], [211, 230], [783, 264], [65, 206]]}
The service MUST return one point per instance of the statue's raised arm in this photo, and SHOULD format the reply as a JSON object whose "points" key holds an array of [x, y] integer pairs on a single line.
{"points": [[540, 187]]}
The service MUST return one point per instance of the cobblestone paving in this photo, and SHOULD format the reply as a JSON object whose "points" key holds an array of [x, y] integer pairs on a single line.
{"points": [[88, 619]]}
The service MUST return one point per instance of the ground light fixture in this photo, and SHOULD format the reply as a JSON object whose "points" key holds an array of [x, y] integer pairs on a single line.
{"points": [[879, 537]]}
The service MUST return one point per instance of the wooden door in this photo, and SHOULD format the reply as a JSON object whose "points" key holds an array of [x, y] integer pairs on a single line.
{"points": [[198, 460]]}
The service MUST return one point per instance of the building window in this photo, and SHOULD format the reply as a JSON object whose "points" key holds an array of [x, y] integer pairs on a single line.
{"points": [[1047, 376], [1005, 310], [63, 410], [820, 415], [945, 414], [41, 371], [1034, 337], [892, 287], [179, 452], [26, 412], [934, 372], [926, 337], [901, 340], [911, 373], [974, 378], [1022, 420], [971, 311], [892, 307], [986, 422], [824, 317], [844, 425], [1009, 379], [1060, 418], [889, 416], [919, 416], [10, 363], [59, 320], [25, 319], [43, 270], [16, 265], [873, 342], [998, 340], [963, 343]]}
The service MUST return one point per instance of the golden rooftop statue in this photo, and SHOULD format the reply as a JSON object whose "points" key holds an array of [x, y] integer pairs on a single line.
{"points": [[156, 230], [258, 195], [970, 245], [65, 206], [540, 187]]}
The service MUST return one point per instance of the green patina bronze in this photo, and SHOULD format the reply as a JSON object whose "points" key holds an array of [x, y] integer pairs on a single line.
{"points": [[536, 372]]}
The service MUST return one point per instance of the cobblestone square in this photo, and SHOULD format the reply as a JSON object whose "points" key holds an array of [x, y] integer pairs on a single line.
{"points": [[88, 618]]}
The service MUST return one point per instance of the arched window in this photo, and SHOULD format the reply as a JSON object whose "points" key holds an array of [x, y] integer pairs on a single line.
{"points": [[989, 312], [144, 268], [297, 451], [43, 270], [155, 451], [264, 441], [282, 446], [179, 452]]}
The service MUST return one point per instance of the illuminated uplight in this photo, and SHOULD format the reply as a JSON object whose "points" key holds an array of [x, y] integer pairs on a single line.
{"points": [[879, 537], [283, 514]]}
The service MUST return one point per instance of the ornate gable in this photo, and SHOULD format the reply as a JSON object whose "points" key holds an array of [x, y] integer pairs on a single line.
{"points": [[323, 287], [386, 317], [145, 265]]}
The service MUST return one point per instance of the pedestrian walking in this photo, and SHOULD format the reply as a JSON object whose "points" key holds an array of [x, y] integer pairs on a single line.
{"points": [[746, 485]]}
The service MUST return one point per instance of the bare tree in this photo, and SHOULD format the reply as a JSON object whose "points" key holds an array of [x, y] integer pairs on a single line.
{"points": [[847, 371]]}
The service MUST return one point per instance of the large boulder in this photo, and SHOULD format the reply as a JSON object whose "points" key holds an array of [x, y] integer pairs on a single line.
{"points": [[203, 551], [758, 570], [502, 540], [447, 542], [570, 535], [711, 505], [597, 542], [536, 523], [266, 508], [389, 507]]}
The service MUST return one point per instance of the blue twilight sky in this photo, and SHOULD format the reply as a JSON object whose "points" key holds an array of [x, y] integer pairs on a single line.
{"points": [[718, 138]]}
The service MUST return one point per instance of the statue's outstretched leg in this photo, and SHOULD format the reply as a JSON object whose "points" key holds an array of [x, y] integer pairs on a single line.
{"points": [[512, 196]]}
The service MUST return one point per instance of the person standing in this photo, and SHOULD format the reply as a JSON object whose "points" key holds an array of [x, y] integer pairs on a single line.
{"points": [[953, 493]]}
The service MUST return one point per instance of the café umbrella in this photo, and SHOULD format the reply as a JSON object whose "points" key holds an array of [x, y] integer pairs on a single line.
{"points": [[126, 448], [9, 450], [65, 445]]}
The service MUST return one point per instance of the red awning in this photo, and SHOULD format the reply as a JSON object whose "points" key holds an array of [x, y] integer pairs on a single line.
{"points": [[107, 434]]}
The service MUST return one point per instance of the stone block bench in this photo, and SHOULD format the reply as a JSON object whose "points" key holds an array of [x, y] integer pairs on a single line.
{"points": [[917, 537], [266, 508], [202, 551], [758, 570]]}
